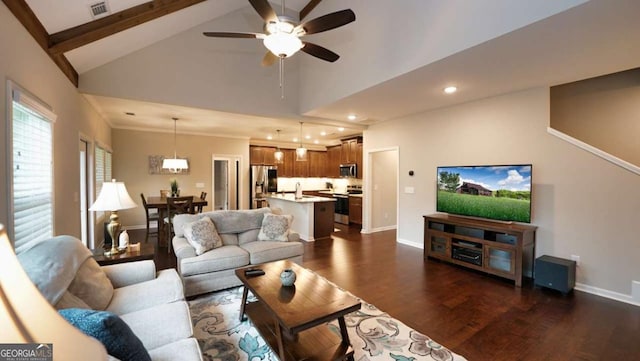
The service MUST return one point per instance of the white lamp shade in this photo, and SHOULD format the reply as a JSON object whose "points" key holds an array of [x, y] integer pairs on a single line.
{"points": [[113, 197], [282, 44], [175, 163], [27, 317]]}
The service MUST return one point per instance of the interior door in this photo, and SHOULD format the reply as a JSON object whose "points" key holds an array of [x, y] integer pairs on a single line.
{"points": [[226, 182]]}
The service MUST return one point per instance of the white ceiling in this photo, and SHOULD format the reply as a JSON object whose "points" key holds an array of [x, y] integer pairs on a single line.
{"points": [[592, 39]]}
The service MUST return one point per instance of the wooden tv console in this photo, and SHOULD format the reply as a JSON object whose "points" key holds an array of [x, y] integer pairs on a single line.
{"points": [[502, 249]]}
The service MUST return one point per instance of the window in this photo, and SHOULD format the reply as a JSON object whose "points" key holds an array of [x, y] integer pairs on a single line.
{"points": [[31, 174], [103, 169]]}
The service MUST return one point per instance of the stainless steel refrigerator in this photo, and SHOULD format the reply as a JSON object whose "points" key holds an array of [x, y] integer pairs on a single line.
{"points": [[264, 179]]}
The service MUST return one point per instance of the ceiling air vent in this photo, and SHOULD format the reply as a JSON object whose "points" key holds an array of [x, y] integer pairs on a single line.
{"points": [[99, 10]]}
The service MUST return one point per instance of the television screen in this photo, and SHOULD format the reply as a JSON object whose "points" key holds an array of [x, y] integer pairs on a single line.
{"points": [[495, 192]]}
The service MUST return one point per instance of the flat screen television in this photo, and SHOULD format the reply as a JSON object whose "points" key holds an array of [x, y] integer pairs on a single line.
{"points": [[497, 192]]}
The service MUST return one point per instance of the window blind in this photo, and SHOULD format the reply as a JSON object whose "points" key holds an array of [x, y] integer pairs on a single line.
{"points": [[32, 171]]}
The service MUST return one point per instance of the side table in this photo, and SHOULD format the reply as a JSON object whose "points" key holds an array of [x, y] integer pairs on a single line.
{"points": [[146, 252]]}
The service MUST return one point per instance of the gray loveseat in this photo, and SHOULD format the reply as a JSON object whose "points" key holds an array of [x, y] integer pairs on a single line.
{"points": [[215, 269], [146, 300]]}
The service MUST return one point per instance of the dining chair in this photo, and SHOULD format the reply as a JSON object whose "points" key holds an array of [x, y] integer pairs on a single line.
{"points": [[176, 205], [200, 207], [151, 216]]}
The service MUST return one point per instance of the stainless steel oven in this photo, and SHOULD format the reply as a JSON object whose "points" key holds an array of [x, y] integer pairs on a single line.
{"points": [[342, 208]]}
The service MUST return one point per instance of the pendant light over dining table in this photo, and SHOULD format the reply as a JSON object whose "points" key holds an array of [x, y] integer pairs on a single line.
{"points": [[301, 152], [175, 165]]}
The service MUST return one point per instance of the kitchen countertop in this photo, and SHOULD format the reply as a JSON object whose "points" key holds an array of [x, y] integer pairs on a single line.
{"points": [[305, 199], [330, 193]]}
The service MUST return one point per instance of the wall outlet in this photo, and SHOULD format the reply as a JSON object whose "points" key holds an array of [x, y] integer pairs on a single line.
{"points": [[576, 258]]}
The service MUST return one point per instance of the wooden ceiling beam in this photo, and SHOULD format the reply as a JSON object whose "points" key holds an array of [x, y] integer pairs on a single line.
{"points": [[28, 19], [84, 34], [308, 8]]}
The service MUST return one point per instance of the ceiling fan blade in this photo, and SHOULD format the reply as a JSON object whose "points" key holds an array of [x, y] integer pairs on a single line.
{"points": [[328, 22], [319, 52], [233, 35], [269, 59], [264, 9]]}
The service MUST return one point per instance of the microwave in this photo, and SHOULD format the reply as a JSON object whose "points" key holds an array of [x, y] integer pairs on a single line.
{"points": [[348, 171]]}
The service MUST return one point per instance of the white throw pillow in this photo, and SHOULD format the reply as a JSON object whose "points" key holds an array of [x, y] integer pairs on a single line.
{"points": [[275, 227], [202, 235]]}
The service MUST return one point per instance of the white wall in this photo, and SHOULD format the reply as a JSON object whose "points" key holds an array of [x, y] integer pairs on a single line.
{"points": [[582, 204], [192, 70], [24, 62], [382, 191], [374, 48]]}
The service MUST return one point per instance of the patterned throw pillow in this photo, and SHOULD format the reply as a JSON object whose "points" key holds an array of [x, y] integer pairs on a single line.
{"points": [[275, 227], [202, 235]]}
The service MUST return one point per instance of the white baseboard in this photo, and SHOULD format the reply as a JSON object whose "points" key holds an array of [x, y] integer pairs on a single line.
{"points": [[380, 229], [410, 243], [606, 294]]}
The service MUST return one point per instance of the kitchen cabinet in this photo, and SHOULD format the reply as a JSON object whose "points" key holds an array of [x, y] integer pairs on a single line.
{"points": [[300, 169], [355, 210], [261, 155], [349, 150], [333, 161], [285, 169], [317, 164], [359, 167]]}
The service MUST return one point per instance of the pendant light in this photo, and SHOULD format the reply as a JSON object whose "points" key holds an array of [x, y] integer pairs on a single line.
{"points": [[175, 165], [301, 152], [278, 155]]}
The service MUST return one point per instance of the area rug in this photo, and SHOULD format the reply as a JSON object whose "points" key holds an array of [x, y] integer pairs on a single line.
{"points": [[374, 334]]}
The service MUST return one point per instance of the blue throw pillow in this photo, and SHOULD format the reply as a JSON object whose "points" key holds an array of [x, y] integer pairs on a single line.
{"points": [[108, 328]]}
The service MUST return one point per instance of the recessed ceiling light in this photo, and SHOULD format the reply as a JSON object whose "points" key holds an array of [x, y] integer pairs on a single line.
{"points": [[269, 137], [307, 136], [341, 129], [295, 140], [316, 141], [323, 133], [130, 113], [450, 89], [352, 117]]}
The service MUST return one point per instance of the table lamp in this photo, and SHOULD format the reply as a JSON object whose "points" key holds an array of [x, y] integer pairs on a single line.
{"points": [[27, 317], [113, 197]]}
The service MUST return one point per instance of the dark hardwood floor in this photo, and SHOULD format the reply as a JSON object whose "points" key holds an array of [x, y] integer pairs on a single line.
{"points": [[478, 316]]}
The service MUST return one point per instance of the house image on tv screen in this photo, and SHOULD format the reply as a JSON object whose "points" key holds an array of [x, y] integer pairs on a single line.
{"points": [[474, 189]]}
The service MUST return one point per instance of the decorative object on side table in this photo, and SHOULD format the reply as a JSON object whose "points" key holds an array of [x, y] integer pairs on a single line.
{"points": [[113, 197], [288, 277], [123, 241], [23, 311]]}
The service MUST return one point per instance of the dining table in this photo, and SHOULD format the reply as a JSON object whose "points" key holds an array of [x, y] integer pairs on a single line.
{"points": [[160, 203]]}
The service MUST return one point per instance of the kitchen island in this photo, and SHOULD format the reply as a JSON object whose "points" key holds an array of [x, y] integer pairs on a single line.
{"points": [[312, 216]]}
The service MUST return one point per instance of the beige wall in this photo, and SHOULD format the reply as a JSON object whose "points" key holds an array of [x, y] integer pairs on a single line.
{"points": [[582, 204], [24, 62], [130, 165], [603, 112]]}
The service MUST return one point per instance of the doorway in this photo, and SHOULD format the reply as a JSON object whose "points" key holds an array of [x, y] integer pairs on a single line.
{"points": [[381, 198], [85, 219], [226, 183]]}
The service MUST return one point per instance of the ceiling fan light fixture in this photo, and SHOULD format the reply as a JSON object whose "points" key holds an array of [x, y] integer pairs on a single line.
{"points": [[282, 45]]}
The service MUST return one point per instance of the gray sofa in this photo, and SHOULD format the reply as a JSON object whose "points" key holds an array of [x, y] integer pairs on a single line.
{"points": [[215, 269], [146, 300]]}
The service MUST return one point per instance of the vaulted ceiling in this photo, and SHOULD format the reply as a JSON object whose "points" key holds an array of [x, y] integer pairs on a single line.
{"points": [[395, 58]]}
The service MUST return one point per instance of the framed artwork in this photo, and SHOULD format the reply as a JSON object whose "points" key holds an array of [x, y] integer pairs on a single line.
{"points": [[155, 166]]}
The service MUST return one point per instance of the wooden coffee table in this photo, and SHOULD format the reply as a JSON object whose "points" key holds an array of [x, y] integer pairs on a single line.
{"points": [[292, 319]]}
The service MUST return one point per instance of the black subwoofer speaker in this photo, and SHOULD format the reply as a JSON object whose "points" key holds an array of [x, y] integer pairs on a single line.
{"points": [[555, 273]]}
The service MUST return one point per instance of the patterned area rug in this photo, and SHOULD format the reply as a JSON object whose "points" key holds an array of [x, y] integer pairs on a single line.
{"points": [[374, 334]]}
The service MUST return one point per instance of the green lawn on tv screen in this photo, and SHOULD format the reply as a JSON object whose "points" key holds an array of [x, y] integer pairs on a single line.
{"points": [[506, 209]]}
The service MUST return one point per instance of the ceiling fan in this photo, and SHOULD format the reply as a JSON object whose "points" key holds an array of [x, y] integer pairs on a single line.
{"points": [[282, 33]]}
